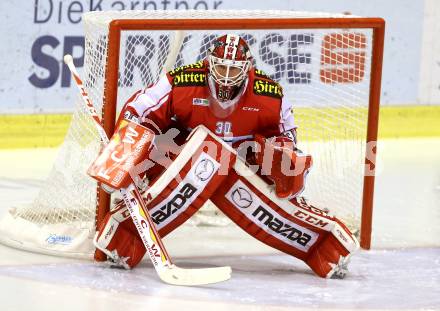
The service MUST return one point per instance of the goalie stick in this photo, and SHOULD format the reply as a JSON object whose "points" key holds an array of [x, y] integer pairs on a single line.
{"points": [[167, 271]]}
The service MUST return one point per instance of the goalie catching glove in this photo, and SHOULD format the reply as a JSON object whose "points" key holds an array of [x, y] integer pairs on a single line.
{"points": [[283, 163]]}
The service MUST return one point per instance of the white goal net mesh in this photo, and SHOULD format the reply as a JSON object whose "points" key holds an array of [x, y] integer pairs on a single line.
{"points": [[324, 72]]}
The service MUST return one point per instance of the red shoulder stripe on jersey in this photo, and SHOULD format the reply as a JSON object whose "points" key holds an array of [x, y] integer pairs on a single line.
{"points": [[156, 105]]}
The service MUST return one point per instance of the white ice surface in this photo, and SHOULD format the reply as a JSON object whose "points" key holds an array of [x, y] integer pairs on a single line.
{"points": [[401, 272]]}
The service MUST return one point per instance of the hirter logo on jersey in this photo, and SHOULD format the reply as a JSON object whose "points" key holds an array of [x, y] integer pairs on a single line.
{"points": [[261, 73], [189, 79], [189, 75], [267, 88], [198, 65]]}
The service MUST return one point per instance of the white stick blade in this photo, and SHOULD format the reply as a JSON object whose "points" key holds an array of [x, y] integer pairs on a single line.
{"points": [[188, 277]]}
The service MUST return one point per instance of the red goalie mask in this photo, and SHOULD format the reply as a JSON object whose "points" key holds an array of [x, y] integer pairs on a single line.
{"points": [[229, 61]]}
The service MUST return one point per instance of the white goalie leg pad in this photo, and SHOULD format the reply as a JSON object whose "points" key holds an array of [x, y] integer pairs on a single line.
{"points": [[322, 241], [200, 168], [116, 237], [178, 193], [104, 236]]}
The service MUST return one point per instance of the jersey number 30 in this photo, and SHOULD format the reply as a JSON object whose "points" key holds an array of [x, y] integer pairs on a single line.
{"points": [[223, 128]]}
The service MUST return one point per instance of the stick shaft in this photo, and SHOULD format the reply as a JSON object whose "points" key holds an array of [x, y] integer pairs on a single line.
{"points": [[149, 238], [86, 100]]}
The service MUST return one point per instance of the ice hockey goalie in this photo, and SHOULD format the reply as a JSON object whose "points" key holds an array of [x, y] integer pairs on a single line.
{"points": [[233, 141]]}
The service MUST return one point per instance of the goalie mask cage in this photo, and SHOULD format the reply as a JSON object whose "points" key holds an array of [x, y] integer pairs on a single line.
{"points": [[329, 66]]}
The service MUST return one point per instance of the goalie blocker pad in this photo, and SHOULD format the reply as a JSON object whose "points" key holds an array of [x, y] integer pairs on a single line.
{"points": [[129, 145]]}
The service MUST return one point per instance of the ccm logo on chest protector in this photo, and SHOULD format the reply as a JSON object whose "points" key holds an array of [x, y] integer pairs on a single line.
{"points": [[195, 181], [263, 216]]}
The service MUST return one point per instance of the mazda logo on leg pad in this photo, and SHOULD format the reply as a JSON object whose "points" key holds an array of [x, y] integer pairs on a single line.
{"points": [[241, 197], [204, 169]]}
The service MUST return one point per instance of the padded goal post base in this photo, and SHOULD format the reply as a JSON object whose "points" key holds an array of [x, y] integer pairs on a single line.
{"points": [[74, 240]]}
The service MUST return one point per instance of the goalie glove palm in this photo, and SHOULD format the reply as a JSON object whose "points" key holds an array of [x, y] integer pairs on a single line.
{"points": [[282, 163]]}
